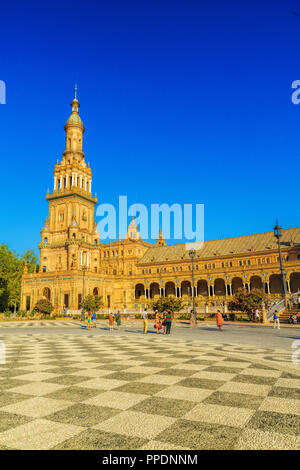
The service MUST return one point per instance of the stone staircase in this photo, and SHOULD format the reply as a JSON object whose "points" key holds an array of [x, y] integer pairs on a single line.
{"points": [[284, 317], [283, 313]]}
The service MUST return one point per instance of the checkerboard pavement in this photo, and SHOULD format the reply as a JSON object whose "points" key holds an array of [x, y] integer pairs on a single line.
{"points": [[38, 324], [116, 392]]}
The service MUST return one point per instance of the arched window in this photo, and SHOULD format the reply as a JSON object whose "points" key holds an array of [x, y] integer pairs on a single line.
{"points": [[47, 293], [46, 240]]}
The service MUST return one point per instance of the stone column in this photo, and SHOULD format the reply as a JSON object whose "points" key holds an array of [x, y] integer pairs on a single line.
{"points": [[264, 315]]}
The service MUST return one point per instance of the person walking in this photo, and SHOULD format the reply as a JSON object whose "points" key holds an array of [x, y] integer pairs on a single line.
{"points": [[168, 322], [257, 315], [192, 319], [94, 317], [276, 320], [157, 322], [111, 321], [118, 319], [219, 320], [145, 320], [164, 321], [89, 320]]}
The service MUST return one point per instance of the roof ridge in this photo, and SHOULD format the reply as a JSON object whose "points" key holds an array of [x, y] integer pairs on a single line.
{"points": [[229, 238]]}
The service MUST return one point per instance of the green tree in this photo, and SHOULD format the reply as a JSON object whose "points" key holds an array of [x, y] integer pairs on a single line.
{"points": [[92, 303], [43, 306], [11, 270], [245, 301], [168, 303], [32, 261]]}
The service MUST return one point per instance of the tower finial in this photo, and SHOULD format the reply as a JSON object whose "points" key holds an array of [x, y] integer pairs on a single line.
{"points": [[75, 91]]}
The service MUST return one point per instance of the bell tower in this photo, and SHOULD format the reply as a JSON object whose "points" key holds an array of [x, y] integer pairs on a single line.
{"points": [[69, 236]]}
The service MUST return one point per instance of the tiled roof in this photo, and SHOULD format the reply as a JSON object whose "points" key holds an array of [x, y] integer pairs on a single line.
{"points": [[224, 247]]}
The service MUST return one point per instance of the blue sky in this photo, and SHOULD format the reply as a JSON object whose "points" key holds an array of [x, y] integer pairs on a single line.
{"points": [[182, 101]]}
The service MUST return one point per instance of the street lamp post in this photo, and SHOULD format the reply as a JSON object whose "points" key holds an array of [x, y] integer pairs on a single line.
{"points": [[278, 235], [84, 268], [192, 254]]}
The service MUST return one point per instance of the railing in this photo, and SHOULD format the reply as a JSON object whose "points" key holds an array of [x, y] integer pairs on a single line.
{"points": [[280, 306]]}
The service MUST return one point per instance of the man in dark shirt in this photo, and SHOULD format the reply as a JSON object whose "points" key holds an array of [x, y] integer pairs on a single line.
{"points": [[168, 321]]}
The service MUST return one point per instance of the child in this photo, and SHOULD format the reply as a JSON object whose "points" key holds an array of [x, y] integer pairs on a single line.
{"points": [[276, 320], [118, 319], [89, 320]]}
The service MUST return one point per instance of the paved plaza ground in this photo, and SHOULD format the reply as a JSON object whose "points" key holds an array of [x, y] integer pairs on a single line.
{"points": [[64, 387]]}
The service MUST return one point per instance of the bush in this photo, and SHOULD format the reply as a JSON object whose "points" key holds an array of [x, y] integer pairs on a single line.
{"points": [[168, 303], [183, 316], [7, 314], [247, 302], [232, 316], [92, 303], [43, 306]]}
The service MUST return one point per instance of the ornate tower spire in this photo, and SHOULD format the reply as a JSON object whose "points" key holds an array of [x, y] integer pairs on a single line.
{"points": [[74, 132], [161, 239], [133, 232], [72, 173]]}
